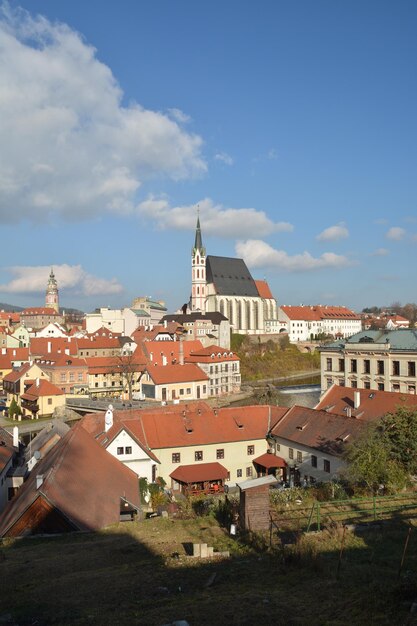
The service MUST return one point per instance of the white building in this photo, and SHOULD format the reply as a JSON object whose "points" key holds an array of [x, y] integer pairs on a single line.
{"points": [[306, 323], [122, 321]]}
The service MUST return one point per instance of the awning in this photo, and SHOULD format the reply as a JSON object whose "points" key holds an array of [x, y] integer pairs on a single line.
{"points": [[199, 472], [269, 460]]}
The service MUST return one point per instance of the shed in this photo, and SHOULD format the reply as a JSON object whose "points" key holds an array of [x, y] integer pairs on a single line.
{"points": [[254, 503]]}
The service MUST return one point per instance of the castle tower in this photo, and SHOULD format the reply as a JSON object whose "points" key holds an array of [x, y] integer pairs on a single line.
{"points": [[198, 283], [51, 298]]}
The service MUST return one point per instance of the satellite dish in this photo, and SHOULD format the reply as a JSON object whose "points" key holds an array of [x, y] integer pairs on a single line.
{"points": [[37, 455]]}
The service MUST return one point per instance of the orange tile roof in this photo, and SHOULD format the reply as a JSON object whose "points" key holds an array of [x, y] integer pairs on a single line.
{"points": [[212, 354], [16, 375], [263, 289], [168, 374], [199, 472], [5, 362], [39, 311], [269, 460], [109, 364], [81, 480], [6, 448], [18, 354], [373, 404], [42, 346], [44, 389], [169, 349], [194, 423], [318, 312], [95, 343]]}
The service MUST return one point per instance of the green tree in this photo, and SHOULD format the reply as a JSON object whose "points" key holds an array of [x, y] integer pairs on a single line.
{"points": [[370, 463], [14, 409], [399, 431]]}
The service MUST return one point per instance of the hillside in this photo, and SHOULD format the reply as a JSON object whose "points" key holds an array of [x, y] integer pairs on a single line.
{"points": [[272, 360], [138, 573]]}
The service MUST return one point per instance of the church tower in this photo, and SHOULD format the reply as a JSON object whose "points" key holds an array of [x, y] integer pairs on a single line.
{"points": [[51, 298], [198, 260]]}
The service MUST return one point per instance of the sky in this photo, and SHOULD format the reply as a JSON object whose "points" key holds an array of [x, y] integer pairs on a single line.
{"points": [[291, 126]]}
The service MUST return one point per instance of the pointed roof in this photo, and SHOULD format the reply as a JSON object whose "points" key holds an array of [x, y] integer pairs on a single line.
{"points": [[198, 243]]}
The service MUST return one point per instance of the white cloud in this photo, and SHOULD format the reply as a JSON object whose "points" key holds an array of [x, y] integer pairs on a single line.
{"points": [[215, 219], [381, 221], [396, 233], [380, 252], [73, 149], [334, 233], [258, 254], [224, 157], [33, 279]]}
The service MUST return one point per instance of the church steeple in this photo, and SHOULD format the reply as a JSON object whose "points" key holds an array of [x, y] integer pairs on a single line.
{"points": [[198, 260]]}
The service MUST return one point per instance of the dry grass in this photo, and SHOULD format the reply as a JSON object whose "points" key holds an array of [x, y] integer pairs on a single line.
{"points": [[138, 573]]}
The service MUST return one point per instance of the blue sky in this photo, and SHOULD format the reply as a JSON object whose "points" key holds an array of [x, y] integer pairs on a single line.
{"points": [[291, 124]]}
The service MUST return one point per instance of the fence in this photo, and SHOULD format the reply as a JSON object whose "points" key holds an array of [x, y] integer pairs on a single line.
{"points": [[355, 510]]}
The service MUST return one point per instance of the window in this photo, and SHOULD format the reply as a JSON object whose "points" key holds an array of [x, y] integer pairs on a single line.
{"points": [[277, 447], [354, 384], [299, 457], [326, 465], [396, 387], [63, 377], [120, 450], [72, 377], [248, 472], [198, 455], [176, 457], [341, 365], [181, 392], [329, 364], [412, 389], [411, 368], [251, 450], [80, 377], [313, 460], [367, 366], [329, 382], [239, 473], [290, 453], [220, 453], [380, 367], [395, 368], [128, 450], [367, 384], [49, 400], [381, 386], [353, 366], [188, 390]]}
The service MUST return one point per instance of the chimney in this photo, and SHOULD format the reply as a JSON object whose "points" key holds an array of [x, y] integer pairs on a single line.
{"points": [[165, 324], [349, 411], [15, 437], [164, 360], [108, 419], [151, 356], [37, 382], [4, 350], [181, 353], [356, 399], [67, 351], [49, 347], [39, 480]]}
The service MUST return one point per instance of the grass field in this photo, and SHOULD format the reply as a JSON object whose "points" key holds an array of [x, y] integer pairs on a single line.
{"points": [[138, 573]]}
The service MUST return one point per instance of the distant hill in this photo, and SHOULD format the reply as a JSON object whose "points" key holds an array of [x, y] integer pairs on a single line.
{"points": [[11, 307]]}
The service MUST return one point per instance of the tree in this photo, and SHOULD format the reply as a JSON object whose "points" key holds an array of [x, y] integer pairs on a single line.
{"points": [[130, 369], [399, 431], [14, 409], [369, 462]]}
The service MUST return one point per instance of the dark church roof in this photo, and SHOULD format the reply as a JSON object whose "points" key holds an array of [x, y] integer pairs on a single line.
{"points": [[230, 277]]}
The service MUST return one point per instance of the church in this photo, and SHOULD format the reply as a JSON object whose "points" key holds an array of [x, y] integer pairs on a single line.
{"points": [[225, 285]]}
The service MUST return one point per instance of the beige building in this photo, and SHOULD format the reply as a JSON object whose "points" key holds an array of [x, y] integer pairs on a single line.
{"points": [[41, 399], [174, 382], [372, 359]]}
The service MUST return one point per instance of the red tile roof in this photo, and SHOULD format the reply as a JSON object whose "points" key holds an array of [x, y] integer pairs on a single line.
{"points": [[18, 354], [319, 312], [5, 362], [44, 389], [98, 343], [169, 349], [110, 364], [270, 461], [211, 354], [6, 448], [199, 472], [81, 480], [194, 423], [373, 404], [39, 311], [42, 346], [16, 375], [263, 289], [170, 374]]}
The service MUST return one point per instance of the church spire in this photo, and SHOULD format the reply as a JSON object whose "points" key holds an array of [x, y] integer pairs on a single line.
{"points": [[198, 239]]}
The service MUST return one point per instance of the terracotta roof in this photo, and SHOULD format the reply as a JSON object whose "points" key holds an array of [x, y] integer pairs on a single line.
{"points": [[42, 346], [98, 343], [318, 312], [269, 461], [194, 423], [81, 480], [373, 404], [212, 354], [110, 364], [16, 375], [45, 388], [199, 472], [169, 374], [5, 362], [62, 360], [103, 332], [169, 349], [39, 311], [324, 431], [263, 289], [10, 315], [18, 354]]}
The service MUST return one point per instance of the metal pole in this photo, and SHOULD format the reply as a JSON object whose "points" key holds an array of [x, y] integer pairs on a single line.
{"points": [[407, 539]]}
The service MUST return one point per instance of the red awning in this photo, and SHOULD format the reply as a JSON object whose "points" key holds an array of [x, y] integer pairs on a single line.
{"points": [[269, 460], [199, 472]]}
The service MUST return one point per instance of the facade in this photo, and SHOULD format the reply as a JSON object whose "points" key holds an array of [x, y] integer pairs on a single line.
{"points": [[68, 373], [174, 383], [41, 399], [225, 285], [37, 318], [222, 368], [149, 312], [51, 296], [8, 453], [208, 328], [118, 321], [109, 376], [156, 442], [373, 359], [306, 323]]}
